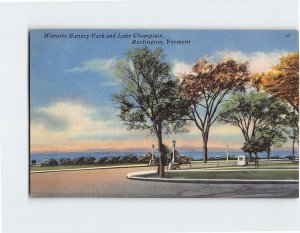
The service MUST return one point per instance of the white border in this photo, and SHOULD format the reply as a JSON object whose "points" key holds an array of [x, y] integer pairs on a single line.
{"points": [[25, 215]]}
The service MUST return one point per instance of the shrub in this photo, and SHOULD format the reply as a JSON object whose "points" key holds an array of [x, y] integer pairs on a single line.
{"points": [[49, 162], [109, 159], [79, 160], [144, 159], [115, 159], [123, 159], [89, 160], [66, 161], [132, 159], [101, 160], [141, 159]]}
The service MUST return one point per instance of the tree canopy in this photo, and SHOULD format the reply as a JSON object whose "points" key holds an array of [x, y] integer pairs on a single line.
{"points": [[206, 87], [260, 117], [282, 80], [149, 99]]}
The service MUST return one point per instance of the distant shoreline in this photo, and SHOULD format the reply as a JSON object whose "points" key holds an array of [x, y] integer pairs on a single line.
{"points": [[146, 151]]}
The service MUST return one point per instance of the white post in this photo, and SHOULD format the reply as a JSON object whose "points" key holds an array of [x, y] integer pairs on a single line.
{"points": [[227, 152]]}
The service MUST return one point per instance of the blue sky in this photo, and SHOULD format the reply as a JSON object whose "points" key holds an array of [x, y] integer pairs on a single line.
{"points": [[71, 82]]}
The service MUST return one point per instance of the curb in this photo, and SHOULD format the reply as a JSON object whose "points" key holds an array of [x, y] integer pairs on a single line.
{"points": [[86, 168], [134, 176]]}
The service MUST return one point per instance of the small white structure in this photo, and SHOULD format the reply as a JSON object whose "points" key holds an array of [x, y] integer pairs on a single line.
{"points": [[242, 160]]}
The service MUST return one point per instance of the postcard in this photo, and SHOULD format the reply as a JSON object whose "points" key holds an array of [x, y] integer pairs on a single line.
{"points": [[164, 113]]}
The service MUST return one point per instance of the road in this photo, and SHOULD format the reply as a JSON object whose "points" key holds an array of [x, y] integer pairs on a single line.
{"points": [[113, 183]]}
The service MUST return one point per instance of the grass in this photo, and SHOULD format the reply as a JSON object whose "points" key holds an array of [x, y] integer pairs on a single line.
{"points": [[247, 174], [260, 166], [62, 167]]}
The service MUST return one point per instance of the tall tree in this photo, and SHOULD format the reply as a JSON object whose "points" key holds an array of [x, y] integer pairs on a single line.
{"points": [[275, 125], [149, 99], [206, 88], [293, 123], [255, 145], [282, 80], [255, 112], [271, 137]]}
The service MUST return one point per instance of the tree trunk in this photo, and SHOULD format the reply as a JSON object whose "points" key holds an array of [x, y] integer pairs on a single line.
{"points": [[205, 156], [250, 155], [293, 148], [161, 167], [256, 160], [268, 153], [205, 151]]}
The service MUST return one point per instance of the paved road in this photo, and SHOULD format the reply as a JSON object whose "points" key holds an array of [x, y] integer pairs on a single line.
{"points": [[113, 183]]}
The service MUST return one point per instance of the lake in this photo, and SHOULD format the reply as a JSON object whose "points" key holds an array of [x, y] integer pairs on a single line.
{"points": [[196, 155]]}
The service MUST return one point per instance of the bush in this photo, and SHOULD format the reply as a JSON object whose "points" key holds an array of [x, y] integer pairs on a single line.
{"points": [[275, 157], [123, 159], [144, 159], [79, 160], [108, 159], [115, 159], [170, 155], [101, 160], [66, 161], [289, 157], [132, 159], [89, 160], [50, 162]]}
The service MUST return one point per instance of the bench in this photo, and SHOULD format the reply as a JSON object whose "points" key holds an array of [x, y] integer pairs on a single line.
{"points": [[174, 165]]}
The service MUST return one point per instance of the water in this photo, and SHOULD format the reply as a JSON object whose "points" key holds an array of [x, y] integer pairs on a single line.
{"points": [[196, 155]]}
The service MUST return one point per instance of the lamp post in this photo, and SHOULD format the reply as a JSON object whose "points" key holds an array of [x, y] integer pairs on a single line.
{"points": [[152, 151], [227, 152], [173, 158]]}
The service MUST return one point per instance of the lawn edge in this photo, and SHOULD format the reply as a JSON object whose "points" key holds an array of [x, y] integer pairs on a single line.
{"points": [[137, 176]]}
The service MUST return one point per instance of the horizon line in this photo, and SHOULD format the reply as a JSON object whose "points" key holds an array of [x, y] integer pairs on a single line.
{"points": [[183, 149]]}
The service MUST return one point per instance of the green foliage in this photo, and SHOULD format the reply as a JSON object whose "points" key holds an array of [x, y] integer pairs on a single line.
{"points": [[149, 95], [255, 145], [49, 162], [261, 117], [150, 99], [206, 88], [293, 123]]}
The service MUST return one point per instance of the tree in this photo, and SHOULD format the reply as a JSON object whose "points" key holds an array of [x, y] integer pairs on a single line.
{"points": [[271, 136], [149, 99], [293, 123], [206, 88], [254, 145], [274, 129], [255, 113], [282, 80]]}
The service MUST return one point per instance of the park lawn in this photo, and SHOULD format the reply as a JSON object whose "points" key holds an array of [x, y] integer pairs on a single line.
{"points": [[63, 167], [245, 174], [261, 166]]}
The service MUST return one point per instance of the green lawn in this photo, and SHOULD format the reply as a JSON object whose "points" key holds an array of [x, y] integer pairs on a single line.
{"points": [[62, 167], [247, 174], [261, 166]]}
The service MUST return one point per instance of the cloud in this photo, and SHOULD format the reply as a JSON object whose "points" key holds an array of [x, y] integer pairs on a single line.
{"points": [[65, 124], [96, 65], [180, 67], [258, 61]]}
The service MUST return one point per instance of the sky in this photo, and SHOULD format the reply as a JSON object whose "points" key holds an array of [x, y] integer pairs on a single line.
{"points": [[72, 82]]}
